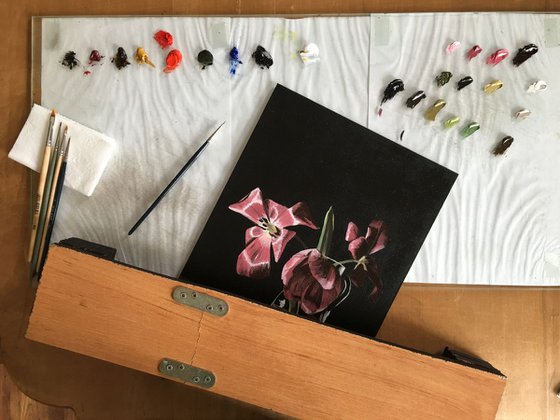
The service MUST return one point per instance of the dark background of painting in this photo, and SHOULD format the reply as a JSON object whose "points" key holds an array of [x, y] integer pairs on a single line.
{"points": [[302, 151]]}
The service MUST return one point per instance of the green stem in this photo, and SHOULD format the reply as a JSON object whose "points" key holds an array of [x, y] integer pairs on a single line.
{"points": [[341, 263]]}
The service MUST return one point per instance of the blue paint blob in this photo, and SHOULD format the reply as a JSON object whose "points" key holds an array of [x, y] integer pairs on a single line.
{"points": [[234, 61]]}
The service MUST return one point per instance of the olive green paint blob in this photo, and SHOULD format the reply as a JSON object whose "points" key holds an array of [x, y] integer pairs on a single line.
{"points": [[432, 112]]}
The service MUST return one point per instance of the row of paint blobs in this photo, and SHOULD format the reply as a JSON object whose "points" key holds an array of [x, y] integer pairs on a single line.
{"points": [[523, 54], [309, 54]]}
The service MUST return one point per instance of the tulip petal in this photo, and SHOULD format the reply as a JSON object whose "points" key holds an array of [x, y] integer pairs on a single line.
{"points": [[296, 276], [252, 233], [358, 247], [251, 206], [315, 299], [293, 264], [279, 242], [254, 260], [376, 236], [323, 270], [281, 216], [351, 232]]}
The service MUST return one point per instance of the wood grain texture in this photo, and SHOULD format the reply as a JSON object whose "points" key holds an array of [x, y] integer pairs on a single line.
{"points": [[516, 329], [259, 355], [15, 405]]}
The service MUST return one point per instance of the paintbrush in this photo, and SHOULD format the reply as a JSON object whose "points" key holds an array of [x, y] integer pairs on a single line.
{"points": [[174, 180], [54, 209], [41, 187], [60, 156], [46, 195]]}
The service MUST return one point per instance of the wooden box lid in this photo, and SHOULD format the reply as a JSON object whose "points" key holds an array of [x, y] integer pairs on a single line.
{"points": [[259, 355]]}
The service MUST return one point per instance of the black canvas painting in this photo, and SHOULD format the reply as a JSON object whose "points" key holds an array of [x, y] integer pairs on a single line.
{"points": [[321, 217]]}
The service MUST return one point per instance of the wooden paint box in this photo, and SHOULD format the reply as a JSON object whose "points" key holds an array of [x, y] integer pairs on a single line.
{"points": [[92, 305]]}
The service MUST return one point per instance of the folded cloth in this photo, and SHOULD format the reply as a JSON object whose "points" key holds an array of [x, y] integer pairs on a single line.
{"points": [[90, 151]]}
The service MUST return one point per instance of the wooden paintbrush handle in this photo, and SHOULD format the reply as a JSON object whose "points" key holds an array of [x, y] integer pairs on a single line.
{"points": [[39, 201], [43, 234]]}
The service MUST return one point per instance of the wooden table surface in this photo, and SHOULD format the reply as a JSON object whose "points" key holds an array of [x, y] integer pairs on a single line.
{"points": [[515, 329]]}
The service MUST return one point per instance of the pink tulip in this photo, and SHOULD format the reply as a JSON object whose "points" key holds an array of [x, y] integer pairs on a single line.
{"points": [[270, 219], [311, 279], [362, 248]]}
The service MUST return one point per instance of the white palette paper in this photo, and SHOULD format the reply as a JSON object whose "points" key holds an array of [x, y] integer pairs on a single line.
{"points": [[498, 226], [160, 119], [500, 223]]}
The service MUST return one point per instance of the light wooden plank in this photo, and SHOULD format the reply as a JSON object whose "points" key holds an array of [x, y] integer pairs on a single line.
{"points": [[259, 355], [111, 312]]}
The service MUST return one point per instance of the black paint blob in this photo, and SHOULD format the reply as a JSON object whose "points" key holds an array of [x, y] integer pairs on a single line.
{"points": [[464, 82], [523, 54], [415, 99], [205, 58], [503, 145], [70, 60], [120, 59], [262, 58], [392, 89]]}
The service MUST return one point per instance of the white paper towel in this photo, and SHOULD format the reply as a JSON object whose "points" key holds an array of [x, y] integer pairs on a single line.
{"points": [[89, 154]]}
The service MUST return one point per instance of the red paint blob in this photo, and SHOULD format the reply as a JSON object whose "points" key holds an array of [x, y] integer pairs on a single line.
{"points": [[95, 57], [164, 39], [173, 60], [87, 73]]}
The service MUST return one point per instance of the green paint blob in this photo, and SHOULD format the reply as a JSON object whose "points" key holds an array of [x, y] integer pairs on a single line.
{"points": [[451, 122], [471, 129], [444, 78]]}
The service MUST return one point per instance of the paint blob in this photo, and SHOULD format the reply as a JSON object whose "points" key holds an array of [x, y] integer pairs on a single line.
{"points": [[523, 54], [443, 78], [451, 122], [537, 86], [493, 86], [95, 57], [390, 91], [432, 112], [454, 46], [172, 61], [502, 146], [164, 39], [497, 56], [142, 57], [415, 99], [120, 59], [262, 58], [70, 60], [470, 129], [205, 58], [473, 52], [309, 54], [464, 82], [234, 61]]}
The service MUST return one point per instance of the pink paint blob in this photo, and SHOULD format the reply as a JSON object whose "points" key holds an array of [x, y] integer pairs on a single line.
{"points": [[454, 46], [473, 52], [497, 57]]}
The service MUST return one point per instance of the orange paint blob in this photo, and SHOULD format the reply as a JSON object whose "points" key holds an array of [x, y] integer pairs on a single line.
{"points": [[173, 60]]}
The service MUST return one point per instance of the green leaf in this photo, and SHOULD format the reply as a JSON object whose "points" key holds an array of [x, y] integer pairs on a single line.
{"points": [[325, 239]]}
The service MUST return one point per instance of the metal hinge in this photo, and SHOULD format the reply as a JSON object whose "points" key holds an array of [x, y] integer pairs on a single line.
{"points": [[199, 300], [187, 373]]}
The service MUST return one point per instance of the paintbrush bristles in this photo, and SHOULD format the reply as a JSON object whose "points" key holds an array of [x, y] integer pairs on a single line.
{"points": [[67, 149], [64, 142]]}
